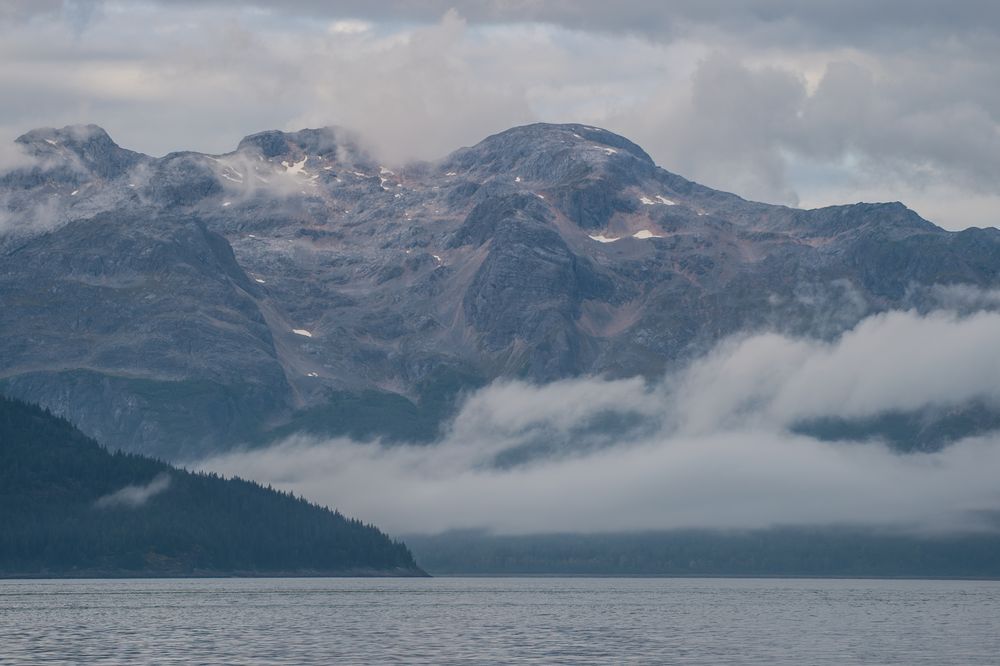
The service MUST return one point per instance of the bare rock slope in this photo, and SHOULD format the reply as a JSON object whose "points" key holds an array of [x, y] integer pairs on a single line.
{"points": [[180, 305]]}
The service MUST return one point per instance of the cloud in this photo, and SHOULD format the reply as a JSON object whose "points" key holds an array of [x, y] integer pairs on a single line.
{"points": [[24, 219], [133, 497], [860, 130], [24, 212], [730, 126], [349, 27], [14, 157], [709, 446], [896, 361], [964, 297], [22, 10], [887, 24], [244, 175], [415, 97], [808, 103]]}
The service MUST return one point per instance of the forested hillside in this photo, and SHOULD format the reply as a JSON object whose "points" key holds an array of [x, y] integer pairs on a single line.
{"points": [[70, 507]]}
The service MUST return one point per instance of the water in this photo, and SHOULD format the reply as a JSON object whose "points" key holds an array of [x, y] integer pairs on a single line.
{"points": [[484, 620]]}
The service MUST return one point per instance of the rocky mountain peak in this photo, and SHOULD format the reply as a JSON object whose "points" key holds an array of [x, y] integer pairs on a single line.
{"points": [[329, 142], [547, 152], [881, 219], [88, 147], [78, 137]]}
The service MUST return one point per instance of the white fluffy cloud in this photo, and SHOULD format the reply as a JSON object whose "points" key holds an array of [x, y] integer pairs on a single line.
{"points": [[708, 447], [13, 156], [898, 361]]}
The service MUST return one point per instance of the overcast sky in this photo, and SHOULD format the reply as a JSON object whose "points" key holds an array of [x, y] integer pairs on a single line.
{"points": [[804, 103]]}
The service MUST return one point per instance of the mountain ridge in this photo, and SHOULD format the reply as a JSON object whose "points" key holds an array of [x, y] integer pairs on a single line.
{"points": [[185, 304]]}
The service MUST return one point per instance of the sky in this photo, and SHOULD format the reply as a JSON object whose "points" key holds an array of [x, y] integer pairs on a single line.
{"points": [[804, 104]]}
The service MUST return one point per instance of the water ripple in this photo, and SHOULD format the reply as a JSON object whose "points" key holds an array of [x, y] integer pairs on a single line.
{"points": [[499, 620]]}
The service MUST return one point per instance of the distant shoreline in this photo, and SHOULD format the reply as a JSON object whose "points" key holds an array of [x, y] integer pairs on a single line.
{"points": [[439, 574], [123, 575], [292, 575]]}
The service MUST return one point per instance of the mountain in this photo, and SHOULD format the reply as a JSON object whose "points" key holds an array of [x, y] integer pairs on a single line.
{"points": [[787, 551], [71, 508], [180, 305]]}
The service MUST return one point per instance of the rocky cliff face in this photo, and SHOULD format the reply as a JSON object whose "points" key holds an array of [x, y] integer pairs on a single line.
{"points": [[192, 302]]}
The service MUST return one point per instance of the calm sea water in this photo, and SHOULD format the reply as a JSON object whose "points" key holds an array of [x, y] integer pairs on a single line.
{"points": [[501, 620]]}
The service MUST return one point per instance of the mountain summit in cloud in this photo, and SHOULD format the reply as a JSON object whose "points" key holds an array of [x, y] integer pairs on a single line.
{"points": [[182, 305]]}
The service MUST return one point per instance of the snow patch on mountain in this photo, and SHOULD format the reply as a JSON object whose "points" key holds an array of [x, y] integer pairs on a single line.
{"points": [[644, 234]]}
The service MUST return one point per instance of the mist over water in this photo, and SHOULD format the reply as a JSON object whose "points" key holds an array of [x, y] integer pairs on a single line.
{"points": [[714, 445]]}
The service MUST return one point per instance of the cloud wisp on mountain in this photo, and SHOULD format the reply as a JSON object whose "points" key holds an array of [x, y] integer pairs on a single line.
{"points": [[714, 445], [134, 496]]}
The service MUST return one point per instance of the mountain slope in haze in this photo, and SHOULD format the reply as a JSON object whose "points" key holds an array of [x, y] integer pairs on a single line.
{"points": [[180, 305], [69, 507], [827, 551]]}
